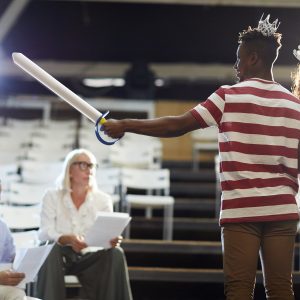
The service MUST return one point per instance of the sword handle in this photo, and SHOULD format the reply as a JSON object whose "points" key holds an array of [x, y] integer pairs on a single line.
{"points": [[101, 136]]}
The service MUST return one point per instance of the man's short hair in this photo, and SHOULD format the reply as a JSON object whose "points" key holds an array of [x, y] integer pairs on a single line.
{"points": [[267, 47]]}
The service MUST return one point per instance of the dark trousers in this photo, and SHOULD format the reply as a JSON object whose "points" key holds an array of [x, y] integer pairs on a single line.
{"points": [[102, 274], [242, 244]]}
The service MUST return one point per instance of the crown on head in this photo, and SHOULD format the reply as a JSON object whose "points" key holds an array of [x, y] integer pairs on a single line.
{"points": [[297, 53], [267, 28]]}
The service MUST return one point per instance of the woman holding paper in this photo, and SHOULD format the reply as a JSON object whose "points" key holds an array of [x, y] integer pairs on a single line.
{"points": [[67, 214]]}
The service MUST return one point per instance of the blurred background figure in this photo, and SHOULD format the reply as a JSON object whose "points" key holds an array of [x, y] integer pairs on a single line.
{"points": [[139, 81]]}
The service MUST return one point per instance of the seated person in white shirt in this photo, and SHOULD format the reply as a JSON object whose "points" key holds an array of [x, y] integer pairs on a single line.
{"points": [[67, 213], [8, 278]]}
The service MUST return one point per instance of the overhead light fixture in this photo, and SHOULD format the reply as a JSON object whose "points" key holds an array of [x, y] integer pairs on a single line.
{"points": [[106, 82], [159, 82], [103, 82]]}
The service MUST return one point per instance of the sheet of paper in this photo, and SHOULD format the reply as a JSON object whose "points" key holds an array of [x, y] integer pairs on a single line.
{"points": [[30, 260], [106, 227]]}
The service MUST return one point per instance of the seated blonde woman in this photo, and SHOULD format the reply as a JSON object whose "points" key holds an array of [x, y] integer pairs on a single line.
{"points": [[67, 213]]}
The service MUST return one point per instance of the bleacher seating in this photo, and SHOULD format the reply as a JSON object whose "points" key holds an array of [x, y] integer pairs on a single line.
{"points": [[190, 266]]}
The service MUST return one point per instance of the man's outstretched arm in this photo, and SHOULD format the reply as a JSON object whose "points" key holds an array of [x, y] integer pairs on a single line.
{"points": [[169, 126]]}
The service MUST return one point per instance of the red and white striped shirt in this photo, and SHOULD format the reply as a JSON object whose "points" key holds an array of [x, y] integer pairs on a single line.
{"points": [[259, 132]]}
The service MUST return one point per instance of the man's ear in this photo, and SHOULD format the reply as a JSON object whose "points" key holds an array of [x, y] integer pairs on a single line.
{"points": [[253, 58]]}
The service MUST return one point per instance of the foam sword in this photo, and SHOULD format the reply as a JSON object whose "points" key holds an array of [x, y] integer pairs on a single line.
{"points": [[66, 94]]}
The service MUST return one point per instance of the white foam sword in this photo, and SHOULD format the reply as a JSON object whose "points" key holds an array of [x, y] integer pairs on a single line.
{"points": [[66, 94]]}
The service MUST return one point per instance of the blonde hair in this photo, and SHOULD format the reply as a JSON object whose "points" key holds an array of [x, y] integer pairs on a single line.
{"points": [[296, 82], [63, 181]]}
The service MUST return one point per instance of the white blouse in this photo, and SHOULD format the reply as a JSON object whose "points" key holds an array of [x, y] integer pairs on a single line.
{"points": [[59, 216]]}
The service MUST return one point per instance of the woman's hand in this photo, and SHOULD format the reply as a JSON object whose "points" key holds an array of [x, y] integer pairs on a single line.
{"points": [[75, 241], [9, 277], [116, 242]]}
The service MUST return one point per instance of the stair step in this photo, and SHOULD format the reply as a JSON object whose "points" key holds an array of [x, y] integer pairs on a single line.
{"points": [[186, 207], [193, 189], [188, 175], [183, 228], [172, 247], [173, 254], [187, 275], [186, 165]]}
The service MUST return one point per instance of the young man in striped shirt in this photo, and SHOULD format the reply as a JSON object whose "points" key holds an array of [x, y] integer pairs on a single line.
{"points": [[259, 133]]}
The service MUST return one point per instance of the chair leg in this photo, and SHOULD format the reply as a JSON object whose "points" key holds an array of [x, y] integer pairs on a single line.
{"points": [[148, 212], [127, 229], [218, 199], [168, 222], [195, 160]]}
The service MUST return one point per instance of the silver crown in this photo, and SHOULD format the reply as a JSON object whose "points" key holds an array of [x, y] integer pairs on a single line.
{"points": [[267, 28], [297, 53]]}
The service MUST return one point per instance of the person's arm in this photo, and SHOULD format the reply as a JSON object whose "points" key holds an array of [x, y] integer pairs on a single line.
{"points": [[9, 277], [47, 229], [169, 126], [7, 244], [76, 242]]}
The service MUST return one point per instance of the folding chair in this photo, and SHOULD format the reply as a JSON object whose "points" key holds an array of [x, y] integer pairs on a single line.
{"points": [[109, 181], [156, 184], [40, 172], [20, 218], [21, 193], [204, 140]]}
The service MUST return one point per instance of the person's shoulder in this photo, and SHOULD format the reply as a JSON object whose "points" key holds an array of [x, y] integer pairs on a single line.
{"points": [[101, 194], [3, 226], [51, 191], [52, 194], [2, 223]]}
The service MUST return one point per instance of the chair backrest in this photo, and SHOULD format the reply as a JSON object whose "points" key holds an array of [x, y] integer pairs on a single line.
{"points": [[21, 217], [149, 144], [8, 174], [109, 180], [61, 124], [11, 156], [88, 140], [146, 179], [11, 143], [25, 239], [46, 155], [51, 144], [23, 123], [132, 157], [21, 193], [40, 172]]}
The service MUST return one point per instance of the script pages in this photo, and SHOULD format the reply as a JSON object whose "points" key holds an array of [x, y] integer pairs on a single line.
{"points": [[29, 261], [106, 227]]}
